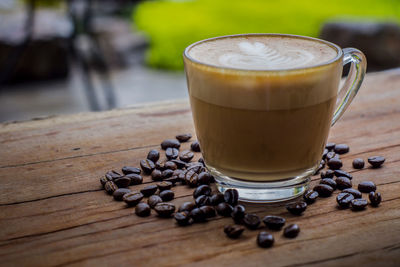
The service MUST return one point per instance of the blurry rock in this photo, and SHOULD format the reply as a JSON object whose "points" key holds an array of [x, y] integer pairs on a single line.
{"points": [[380, 42]]}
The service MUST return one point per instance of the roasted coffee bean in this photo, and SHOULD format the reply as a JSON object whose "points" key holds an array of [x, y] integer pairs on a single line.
{"points": [[335, 164], [330, 146], [358, 163], [358, 204], [156, 175], [160, 165], [129, 170], [187, 206], [325, 153], [265, 239], [341, 173], [122, 181], [217, 198], [183, 137], [320, 167], [186, 155], [205, 178], [147, 166], [179, 163], [231, 196], [201, 160], [112, 175], [274, 222], [173, 180], [167, 195], [164, 209], [167, 173], [202, 190], [169, 165], [162, 186], [291, 231], [344, 200], [195, 146], [170, 143], [119, 193], [327, 174], [310, 196], [154, 200], [135, 178], [103, 180], [343, 183], [341, 148], [149, 190], [110, 187], [366, 186], [142, 209], [209, 211], [376, 161], [354, 192], [197, 215], [330, 155], [183, 218], [224, 209], [238, 213], [297, 208], [322, 162], [202, 201], [329, 181], [252, 221], [192, 179], [233, 231], [133, 198], [375, 198], [323, 190], [196, 167], [171, 153], [153, 155]]}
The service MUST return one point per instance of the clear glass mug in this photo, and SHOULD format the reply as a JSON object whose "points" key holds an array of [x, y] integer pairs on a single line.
{"points": [[263, 132]]}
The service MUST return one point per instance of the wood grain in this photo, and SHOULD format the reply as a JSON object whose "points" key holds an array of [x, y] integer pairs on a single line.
{"points": [[53, 211]]}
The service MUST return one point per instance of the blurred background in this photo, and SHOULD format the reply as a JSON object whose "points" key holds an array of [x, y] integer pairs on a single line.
{"points": [[69, 56]]}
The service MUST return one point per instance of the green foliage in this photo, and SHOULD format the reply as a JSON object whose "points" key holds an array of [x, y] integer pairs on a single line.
{"points": [[173, 25]]}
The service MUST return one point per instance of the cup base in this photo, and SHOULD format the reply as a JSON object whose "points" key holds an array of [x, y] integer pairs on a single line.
{"points": [[264, 192]]}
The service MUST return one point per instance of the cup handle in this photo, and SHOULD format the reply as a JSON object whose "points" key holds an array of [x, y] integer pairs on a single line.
{"points": [[353, 80]]}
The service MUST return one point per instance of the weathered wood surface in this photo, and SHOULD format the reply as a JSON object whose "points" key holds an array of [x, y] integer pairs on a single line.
{"points": [[53, 212]]}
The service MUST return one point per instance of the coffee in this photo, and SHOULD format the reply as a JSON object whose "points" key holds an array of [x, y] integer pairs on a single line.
{"points": [[254, 121]]}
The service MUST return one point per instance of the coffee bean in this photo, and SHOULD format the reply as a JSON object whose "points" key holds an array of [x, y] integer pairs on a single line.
{"points": [[325, 153], [169, 165], [167, 195], [164, 209], [142, 209], [110, 187], [217, 198], [330, 146], [320, 167], [310, 196], [153, 155], [344, 200], [323, 190], [186, 155], [366, 186], [195, 146], [354, 192], [196, 167], [201, 160], [149, 190], [341, 148], [132, 198], [238, 213], [327, 174], [265, 239], [330, 155], [252, 221], [156, 175], [322, 162], [335, 164], [179, 163], [122, 181], [103, 180], [202, 201], [202, 190], [160, 165], [183, 218], [358, 204], [328, 181], [154, 200], [341, 173], [147, 166], [376, 161], [112, 175], [205, 178], [129, 170], [173, 179], [187, 206], [297, 208], [224, 209], [166, 173], [135, 178], [209, 211], [119, 193], [231, 196], [274, 222], [291, 231], [343, 183], [358, 163], [171, 153], [162, 186], [183, 137], [233, 231], [170, 143], [375, 198], [197, 215]]}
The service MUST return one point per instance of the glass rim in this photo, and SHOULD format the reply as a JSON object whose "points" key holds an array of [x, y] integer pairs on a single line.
{"points": [[328, 62]]}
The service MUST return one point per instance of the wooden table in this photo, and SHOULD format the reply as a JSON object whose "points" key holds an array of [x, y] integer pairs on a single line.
{"points": [[54, 212]]}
